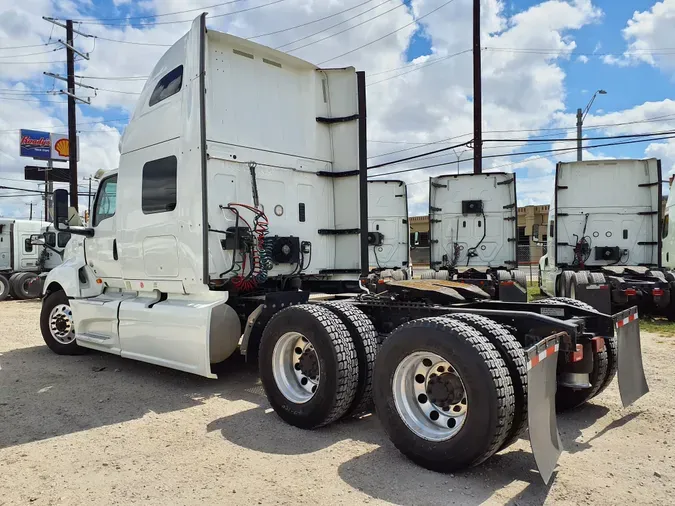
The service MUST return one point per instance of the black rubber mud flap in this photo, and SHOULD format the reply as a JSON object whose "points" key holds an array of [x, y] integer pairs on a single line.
{"points": [[596, 295], [632, 381], [510, 291], [542, 361]]}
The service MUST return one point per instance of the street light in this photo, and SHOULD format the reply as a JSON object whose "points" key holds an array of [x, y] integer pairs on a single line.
{"points": [[581, 116]]}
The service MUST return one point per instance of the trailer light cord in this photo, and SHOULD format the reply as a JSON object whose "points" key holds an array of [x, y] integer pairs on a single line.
{"points": [[471, 252]]}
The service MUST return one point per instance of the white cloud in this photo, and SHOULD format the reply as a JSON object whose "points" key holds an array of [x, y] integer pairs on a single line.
{"points": [[582, 58], [648, 34]]}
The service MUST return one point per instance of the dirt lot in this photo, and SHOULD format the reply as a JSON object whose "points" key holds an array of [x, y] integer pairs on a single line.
{"points": [[98, 429]]}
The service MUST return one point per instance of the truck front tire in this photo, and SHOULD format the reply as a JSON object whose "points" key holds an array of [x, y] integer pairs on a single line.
{"points": [[443, 394], [57, 325], [308, 366]]}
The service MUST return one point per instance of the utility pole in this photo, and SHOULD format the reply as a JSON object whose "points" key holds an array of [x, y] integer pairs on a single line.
{"points": [[477, 93], [581, 116], [72, 98], [31, 211], [580, 122], [72, 114]]}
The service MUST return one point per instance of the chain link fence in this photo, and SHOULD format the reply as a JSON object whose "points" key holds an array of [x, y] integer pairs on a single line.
{"points": [[528, 260]]}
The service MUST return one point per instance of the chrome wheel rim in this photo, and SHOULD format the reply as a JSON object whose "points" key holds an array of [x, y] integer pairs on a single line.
{"points": [[430, 396], [295, 367], [61, 324]]}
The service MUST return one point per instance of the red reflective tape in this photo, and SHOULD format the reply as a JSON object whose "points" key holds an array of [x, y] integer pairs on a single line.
{"points": [[536, 359], [627, 320]]}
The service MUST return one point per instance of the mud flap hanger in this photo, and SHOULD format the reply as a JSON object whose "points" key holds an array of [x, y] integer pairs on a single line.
{"points": [[632, 381], [542, 362]]}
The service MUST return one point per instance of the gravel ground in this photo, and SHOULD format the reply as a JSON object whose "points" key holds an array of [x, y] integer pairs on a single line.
{"points": [[97, 429]]}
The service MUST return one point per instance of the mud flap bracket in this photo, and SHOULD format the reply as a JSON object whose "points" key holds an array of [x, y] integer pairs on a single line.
{"points": [[632, 381], [542, 362]]}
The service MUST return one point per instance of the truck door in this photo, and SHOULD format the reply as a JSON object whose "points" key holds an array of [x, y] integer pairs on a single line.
{"points": [[5, 246], [101, 249], [27, 253], [388, 234]]}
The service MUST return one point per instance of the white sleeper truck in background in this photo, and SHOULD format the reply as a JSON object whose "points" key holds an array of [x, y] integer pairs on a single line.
{"points": [[604, 236], [473, 233], [27, 248], [388, 229], [238, 220]]}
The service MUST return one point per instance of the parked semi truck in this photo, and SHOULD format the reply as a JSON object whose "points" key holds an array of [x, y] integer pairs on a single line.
{"points": [[604, 237], [473, 233], [27, 249], [388, 230], [238, 219]]}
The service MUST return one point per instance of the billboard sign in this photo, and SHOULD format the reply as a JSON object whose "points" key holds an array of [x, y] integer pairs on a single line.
{"points": [[46, 146], [35, 144]]}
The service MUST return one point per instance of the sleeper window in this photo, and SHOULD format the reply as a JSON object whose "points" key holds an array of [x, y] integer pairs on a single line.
{"points": [[168, 85], [159, 185]]}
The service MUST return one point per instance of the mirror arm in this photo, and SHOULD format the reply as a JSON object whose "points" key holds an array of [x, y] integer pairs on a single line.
{"points": [[85, 231]]}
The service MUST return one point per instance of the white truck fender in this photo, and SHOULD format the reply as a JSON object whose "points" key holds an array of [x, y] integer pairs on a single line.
{"points": [[66, 277]]}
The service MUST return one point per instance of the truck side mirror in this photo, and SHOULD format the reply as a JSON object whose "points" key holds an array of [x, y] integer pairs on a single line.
{"points": [[62, 219], [37, 240], [60, 208]]}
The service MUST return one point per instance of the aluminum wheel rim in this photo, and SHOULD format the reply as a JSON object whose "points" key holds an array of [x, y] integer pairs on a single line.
{"points": [[415, 390], [61, 324], [295, 366]]}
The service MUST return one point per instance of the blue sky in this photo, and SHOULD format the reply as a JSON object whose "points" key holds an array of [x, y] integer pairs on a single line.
{"points": [[410, 104]]}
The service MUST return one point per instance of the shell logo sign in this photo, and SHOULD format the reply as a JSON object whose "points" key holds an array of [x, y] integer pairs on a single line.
{"points": [[62, 147]]}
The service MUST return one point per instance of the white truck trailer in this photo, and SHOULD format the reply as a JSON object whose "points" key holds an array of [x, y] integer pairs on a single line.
{"points": [[241, 194], [473, 233], [27, 249], [388, 229], [604, 236]]}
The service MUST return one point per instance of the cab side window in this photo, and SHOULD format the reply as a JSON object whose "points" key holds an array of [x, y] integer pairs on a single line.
{"points": [[64, 237], [106, 200], [666, 221], [50, 239]]}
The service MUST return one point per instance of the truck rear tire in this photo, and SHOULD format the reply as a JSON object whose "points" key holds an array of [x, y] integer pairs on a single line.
{"points": [[578, 279], [513, 355], [565, 300], [11, 284], [4, 287], [25, 285], [308, 366], [612, 349], [57, 325], [520, 277], [364, 337], [443, 394], [565, 282], [567, 398]]}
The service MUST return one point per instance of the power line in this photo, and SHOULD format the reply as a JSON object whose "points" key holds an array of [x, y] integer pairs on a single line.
{"points": [[607, 137], [418, 156], [30, 54], [414, 21], [189, 20], [131, 42], [556, 150], [86, 123], [116, 78], [29, 45], [421, 66], [338, 24], [309, 22], [98, 20]]}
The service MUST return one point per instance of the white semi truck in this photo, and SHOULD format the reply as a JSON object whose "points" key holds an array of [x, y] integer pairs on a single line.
{"points": [[27, 249], [238, 219], [473, 233], [388, 229], [604, 237]]}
